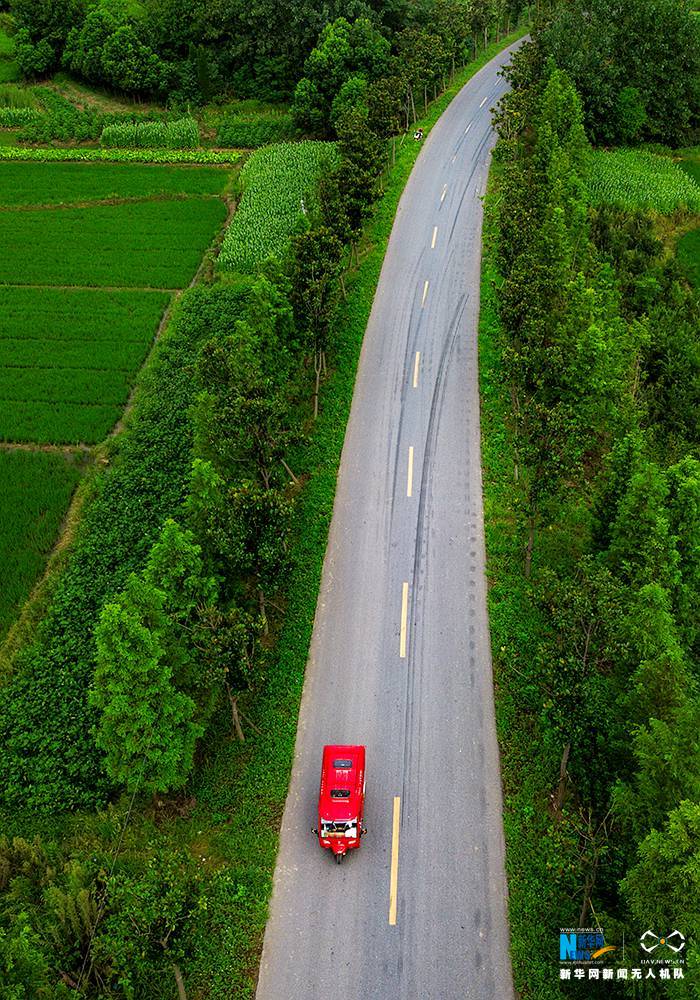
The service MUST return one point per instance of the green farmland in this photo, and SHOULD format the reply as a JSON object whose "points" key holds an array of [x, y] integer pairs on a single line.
{"points": [[36, 488], [98, 253]]}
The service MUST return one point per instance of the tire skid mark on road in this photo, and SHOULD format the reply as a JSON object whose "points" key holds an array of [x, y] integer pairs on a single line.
{"points": [[410, 789], [413, 319], [478, 163]]}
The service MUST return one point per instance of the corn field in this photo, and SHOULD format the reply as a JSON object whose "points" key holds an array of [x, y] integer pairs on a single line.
{"points": [[279, 184], [636, 179]]}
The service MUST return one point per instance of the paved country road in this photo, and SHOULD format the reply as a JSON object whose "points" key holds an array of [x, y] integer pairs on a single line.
{"points": [[406, 546]]}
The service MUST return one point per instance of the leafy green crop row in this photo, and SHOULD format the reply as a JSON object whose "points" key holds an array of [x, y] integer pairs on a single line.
{"points": [[50, 315], [36, 488], [180, 134], [251, 131], [90, 154], [65, 122], [54, 422], [638, 179], [154, 244], [106, 355], [64, 385], [10, 117], [276, 181], [63, 183]]}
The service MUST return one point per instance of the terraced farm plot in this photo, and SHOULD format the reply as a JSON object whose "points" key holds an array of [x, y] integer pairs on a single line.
{"points": [[148, 244], [77, 309], [54, 183], [36, 488], [83, 288]]}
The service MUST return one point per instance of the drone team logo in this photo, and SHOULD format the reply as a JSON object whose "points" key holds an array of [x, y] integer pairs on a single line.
{"points": [[675, 941]]}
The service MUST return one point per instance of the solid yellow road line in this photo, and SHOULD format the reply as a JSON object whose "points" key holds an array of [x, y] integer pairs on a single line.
{"points": [[409, 486], [394, 882], [404, 620], [432, 245], [416, 367], [425, 293], [444, 192]]}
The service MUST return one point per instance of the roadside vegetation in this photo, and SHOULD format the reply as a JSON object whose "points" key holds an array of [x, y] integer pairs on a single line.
{"points": [[590, 374], [156, 684]]}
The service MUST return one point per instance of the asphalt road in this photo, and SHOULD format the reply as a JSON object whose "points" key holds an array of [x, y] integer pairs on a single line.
{"points": [[407, 522]]}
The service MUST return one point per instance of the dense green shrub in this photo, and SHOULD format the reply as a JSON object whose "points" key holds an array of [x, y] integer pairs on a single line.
{"points": [[179, 134], [636, 72]]}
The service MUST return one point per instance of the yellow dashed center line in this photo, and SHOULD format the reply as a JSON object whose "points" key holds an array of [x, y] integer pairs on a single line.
{"points": [[444, 192], [483, 102], [409, 484], [394, 880], [432, 244], [404, 621], [467, 128], [425, 293], [416, 369]]}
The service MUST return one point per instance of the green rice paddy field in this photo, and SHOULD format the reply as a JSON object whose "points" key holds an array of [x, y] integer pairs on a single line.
{"points": [[94, 254]]}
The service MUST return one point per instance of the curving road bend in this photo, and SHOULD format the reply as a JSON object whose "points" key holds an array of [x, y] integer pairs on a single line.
{"points": [[400, 657]]}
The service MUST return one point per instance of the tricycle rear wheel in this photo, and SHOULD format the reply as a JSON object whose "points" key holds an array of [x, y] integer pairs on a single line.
{"points": [[339, 858]]}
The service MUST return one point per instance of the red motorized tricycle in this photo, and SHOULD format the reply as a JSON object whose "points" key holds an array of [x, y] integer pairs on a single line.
{"points": [[341, 799]]}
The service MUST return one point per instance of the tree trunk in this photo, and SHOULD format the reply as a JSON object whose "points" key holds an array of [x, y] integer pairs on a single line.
{"points": [[530, 545], [558, 798], [588, 888], [342, 287], [413, 106], [425, 97], [233, 701], [317, 385], [289, 472], [393, 156], [261, 599], [180, 982]]}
